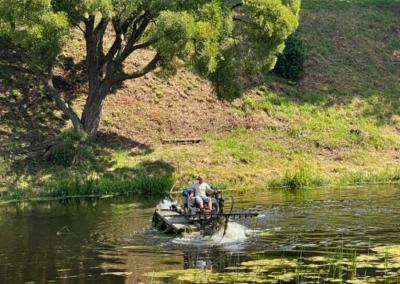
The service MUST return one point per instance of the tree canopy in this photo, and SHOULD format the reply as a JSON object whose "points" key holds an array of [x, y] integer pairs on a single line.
{"points": [[220, 39]]}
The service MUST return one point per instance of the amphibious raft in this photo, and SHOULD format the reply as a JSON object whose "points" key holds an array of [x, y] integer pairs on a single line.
{"points": [[189, 218]]}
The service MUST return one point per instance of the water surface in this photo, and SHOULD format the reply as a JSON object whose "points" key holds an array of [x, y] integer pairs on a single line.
{"points": [[110, 240]]}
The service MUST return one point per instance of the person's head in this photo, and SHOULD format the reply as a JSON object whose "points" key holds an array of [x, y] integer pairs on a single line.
{"points": [[199, 179]]}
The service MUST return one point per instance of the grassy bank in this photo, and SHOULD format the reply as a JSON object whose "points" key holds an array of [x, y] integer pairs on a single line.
{"points": [[339, 125], [81, 186]]}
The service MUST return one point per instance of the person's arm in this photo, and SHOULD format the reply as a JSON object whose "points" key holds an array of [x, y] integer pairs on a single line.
{"points": [[209, 190]]}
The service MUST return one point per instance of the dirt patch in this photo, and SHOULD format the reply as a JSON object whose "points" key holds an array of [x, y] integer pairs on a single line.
{"points": [[152, 108]]}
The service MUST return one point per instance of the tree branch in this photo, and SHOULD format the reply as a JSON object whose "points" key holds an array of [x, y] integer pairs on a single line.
{"points": [[149, 67], [46, 77], [143, 44], [117, 42], [136, 34], [82, 30], [101, 27], [99, 33], [237, 5], [63, 106], [241, 20]]}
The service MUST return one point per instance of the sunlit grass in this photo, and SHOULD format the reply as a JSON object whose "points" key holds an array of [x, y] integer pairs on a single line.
{"points": [[339, 125]]}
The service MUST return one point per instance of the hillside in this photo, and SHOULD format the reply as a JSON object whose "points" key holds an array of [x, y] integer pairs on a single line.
{"points": [[339, 124]]}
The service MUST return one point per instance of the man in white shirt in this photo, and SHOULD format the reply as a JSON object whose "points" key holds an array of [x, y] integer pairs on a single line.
{"points": [[200, 193]]}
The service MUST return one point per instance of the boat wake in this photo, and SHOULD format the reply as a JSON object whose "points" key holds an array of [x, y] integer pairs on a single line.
{"points": [[235, 233]]}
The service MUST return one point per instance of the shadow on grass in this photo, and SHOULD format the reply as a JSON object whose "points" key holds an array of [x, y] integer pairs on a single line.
{"points": [[29, 126]]}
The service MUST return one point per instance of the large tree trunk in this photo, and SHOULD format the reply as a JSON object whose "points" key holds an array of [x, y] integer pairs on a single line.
{"points": [[98, 88], [105, 70], [92, 110]]}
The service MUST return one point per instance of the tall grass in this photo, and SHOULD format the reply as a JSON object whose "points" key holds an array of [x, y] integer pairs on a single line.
{"points": [[301, 177], [387, 176], [106, 185], [142, 185]]}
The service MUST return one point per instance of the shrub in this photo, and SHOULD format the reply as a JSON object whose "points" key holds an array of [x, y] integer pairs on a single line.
{"points": [[249, 104], [290, 64], [301, 177], [70, 148], [223, 78]]}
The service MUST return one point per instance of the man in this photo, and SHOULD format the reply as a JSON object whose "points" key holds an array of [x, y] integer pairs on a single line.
{"points": [[200, 193]]}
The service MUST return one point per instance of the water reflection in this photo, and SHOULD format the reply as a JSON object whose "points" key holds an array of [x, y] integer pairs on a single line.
{"points": [[111, 240]]}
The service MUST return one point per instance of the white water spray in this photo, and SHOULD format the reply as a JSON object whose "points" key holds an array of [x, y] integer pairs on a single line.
{"points": [[165, 204], [235, 234]]}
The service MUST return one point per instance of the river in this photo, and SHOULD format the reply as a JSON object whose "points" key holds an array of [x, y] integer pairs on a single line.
{"points": [[321, 235]]}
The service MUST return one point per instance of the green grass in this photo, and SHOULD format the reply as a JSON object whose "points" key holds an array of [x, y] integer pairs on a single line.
{"points": [[104, 186], [338, 125], [386, 176], [300, 178]]}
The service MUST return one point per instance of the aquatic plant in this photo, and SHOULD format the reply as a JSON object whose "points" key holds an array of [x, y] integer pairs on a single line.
{"points": [[335, 265]]}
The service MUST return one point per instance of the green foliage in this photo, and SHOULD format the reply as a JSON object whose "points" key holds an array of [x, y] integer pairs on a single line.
{"points": [[106, 185], [299, 178], [264, 25], [174, 32], [222, 78], [290, 63], [78, 10], [16, 93], [387, 176], [70, 149], [217, 40], [36, 27]]}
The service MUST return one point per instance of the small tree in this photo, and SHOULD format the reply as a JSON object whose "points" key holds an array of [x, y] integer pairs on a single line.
{"points": [[217, 37], [290, 63]]}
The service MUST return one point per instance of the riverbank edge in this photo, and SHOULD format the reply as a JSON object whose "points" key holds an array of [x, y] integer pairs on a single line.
{"points": [[170, 185]]}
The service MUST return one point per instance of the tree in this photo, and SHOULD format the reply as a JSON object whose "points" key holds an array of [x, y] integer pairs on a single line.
{"points": [[290, 64], [220, 38]]}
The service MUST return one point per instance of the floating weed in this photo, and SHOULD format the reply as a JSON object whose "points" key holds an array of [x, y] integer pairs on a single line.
{"points": [[207, 276], [317, 259], [270, 263], [393, 250], [338, 266]]}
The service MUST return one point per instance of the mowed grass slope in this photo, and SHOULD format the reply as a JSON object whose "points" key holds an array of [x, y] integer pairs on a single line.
{"points": [[339, 125]]}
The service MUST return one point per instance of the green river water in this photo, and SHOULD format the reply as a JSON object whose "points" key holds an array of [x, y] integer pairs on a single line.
{"points": [[346, 235]]}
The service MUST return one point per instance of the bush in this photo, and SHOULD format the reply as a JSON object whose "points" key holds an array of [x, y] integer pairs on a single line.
{"points": [[290, 64], [301, 177], [224, 78], [69, 149]]}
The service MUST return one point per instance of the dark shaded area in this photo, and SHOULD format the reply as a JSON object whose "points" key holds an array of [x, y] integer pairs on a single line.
{"points": [[112, 140], [145, 168], [30, 124]]}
